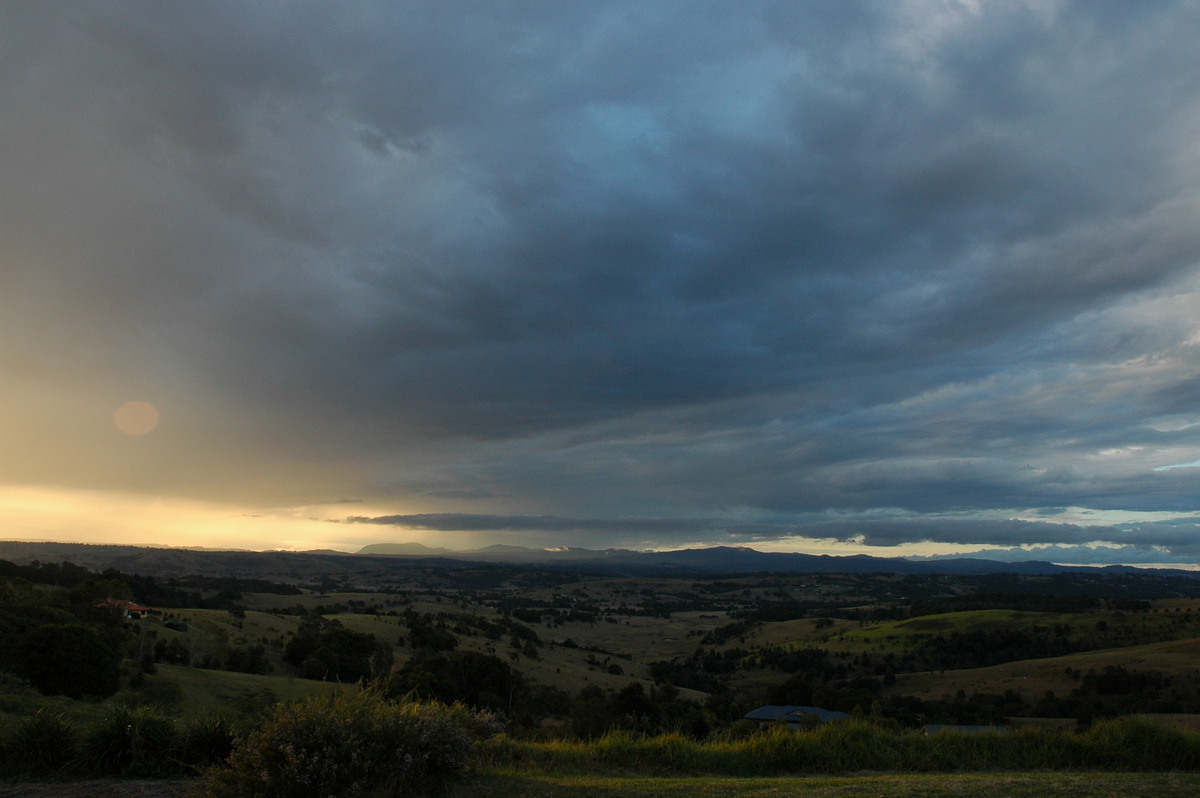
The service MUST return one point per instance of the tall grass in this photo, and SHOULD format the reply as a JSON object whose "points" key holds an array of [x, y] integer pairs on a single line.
{"points": [[126, 741], [41, 743], [355, 739], [132, 741], [207, 741], [1124, 745]]}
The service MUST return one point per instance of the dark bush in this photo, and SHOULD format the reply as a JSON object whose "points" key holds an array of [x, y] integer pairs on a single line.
{"points": [[69, 659], [346, 744]]}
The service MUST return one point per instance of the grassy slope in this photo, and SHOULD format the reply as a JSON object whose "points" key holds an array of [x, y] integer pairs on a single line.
{"points": [[203, 692], [1032, 678], [1176, 658], [645, 639], [642, 639], [899, 636]]}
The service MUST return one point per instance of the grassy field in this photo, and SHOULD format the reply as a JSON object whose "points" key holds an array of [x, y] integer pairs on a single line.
{"points": [[1179, 658], [205, 692], [514, 784], [611, 652], [1111, 637], [175, 690], [1109, 629]]}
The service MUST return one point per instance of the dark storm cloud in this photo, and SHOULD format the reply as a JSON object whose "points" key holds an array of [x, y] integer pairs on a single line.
{"points": [[752, 262], [1169, 538]]}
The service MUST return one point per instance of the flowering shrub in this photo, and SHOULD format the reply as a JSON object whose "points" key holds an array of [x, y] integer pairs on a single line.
{"points": [[346, 744]]}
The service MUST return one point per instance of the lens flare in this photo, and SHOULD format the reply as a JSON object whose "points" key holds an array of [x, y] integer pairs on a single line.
{"points": [[136, 418]]}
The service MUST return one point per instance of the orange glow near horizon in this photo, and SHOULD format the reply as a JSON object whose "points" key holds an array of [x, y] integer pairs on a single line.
{"points": [[43, 514]]}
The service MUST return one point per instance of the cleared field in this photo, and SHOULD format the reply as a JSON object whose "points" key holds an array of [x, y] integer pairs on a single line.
{"points": [[203, 692], [1178, 658], [643, 637]]}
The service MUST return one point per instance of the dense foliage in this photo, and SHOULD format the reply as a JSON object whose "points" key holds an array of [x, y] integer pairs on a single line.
{"points": [[63, 642], [324, 649], [348, 744]]}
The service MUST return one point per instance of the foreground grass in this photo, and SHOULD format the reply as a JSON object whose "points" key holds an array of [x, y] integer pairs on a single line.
{"points": [[1127, 745], [514, 784]]}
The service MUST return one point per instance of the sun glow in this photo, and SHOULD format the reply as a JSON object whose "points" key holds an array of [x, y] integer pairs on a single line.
{"points": [[136, 418], [102, 517]]}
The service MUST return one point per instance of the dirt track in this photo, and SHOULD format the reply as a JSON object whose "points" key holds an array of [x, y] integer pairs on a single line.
{"points": [[99, 788]]}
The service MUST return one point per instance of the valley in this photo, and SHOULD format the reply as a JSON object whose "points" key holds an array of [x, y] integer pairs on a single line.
{"points": [[914, 648]]}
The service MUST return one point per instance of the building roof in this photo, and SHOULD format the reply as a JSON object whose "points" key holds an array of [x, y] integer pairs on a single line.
{"points": [[935, 728], [794, 714], [127, 606]]}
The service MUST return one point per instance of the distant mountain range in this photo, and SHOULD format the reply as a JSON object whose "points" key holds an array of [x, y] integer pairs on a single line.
{"points": [[718, 560], [733, 559]]}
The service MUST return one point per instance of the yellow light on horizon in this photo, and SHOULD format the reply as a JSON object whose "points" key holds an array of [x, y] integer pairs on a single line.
{"points": [[71, 515]]}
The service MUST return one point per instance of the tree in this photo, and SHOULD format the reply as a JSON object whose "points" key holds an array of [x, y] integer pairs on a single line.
{"points": [[591, 715], [69, 659], [478, 680], [324, 649]]}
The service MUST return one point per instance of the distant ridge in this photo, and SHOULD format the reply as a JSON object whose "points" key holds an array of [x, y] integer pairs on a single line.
{"points": [[409, 549], [741, 559], [717, 560]]}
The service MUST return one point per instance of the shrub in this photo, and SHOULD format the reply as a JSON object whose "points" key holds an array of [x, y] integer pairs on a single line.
{"points": [[131, 741], [348, 743], [43, 743]]}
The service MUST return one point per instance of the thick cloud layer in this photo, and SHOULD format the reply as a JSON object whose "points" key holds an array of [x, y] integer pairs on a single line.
{"points": [[664, 272]]}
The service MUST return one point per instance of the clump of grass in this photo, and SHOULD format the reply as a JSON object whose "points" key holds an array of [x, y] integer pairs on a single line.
{"points": [[132, 741], [675, 752], [778, 750], [853, 746], [953, 751], [207, 741], [43, 743]]}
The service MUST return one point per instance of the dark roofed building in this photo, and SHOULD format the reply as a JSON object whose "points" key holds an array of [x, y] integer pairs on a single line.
{"points": [[937, 728], [794, 716]]}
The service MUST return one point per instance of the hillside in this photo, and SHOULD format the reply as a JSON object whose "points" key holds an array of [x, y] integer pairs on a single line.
{"points": [[573, 648], [1176, 659]]}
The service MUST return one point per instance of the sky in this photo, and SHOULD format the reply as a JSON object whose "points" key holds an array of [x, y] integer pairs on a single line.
{"points": [[905, 279]]}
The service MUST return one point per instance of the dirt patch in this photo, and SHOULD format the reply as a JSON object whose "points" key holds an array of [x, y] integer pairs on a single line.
{"points": [[100, 788]]}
